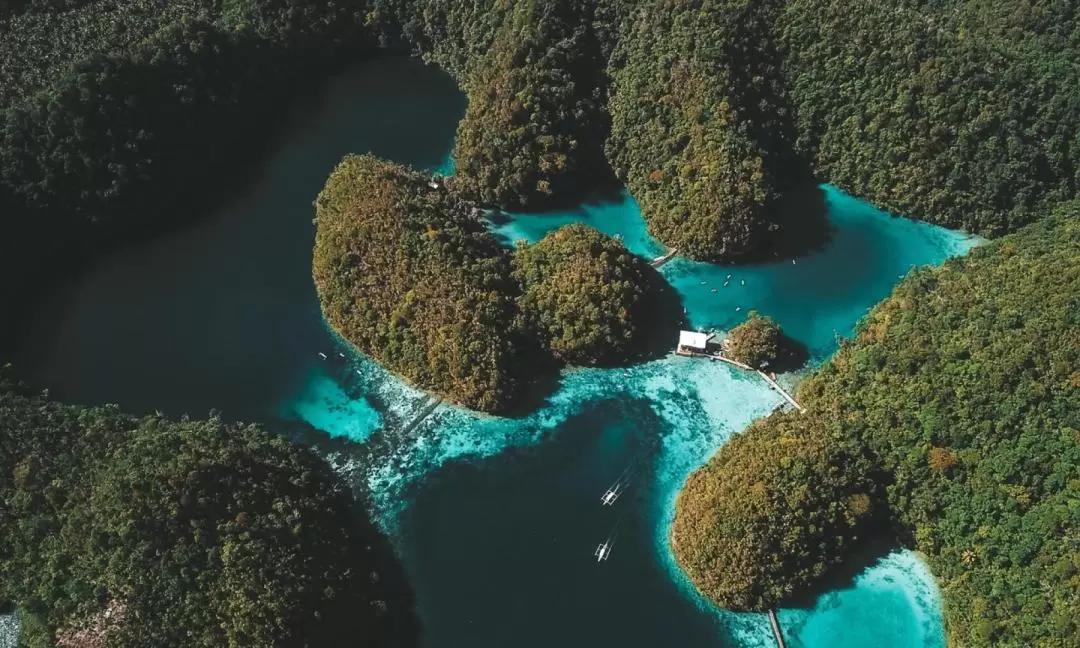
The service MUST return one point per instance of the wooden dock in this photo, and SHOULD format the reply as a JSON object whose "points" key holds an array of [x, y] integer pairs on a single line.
{"points": [[777, 387], [732, 362], [425, 410], [776, 629], [661, 260], [764, 376]]}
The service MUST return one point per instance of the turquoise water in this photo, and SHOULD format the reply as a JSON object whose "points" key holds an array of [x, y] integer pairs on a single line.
{"points": [[496, 520], [614, 216], [516, 503], [814, 299]]}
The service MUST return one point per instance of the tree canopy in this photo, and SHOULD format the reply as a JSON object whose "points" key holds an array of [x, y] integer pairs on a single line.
{"points": [[533, 131], [702, 133], [963, 390], [411, 279], [588, 298], [956, 112], [756, 342], [408, 274], [772, 512], [197, 533]]}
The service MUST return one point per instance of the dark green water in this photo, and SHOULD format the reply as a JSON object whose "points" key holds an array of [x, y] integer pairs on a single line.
{"points": [[224, 315], [496, 520]]}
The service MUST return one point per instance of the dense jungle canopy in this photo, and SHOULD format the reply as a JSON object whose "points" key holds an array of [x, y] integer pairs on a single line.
{"points": [[113, 115], [955, 414], [407, 272], [151, 532], [591, 301], [534, 128], [758, 341], [702, 131], [409, 277]]}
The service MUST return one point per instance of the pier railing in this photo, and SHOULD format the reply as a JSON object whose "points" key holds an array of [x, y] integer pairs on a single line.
{"points": [[764, 376]]}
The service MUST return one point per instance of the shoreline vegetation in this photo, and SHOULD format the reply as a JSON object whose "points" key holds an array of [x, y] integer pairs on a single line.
{"points": [[760, 343], [132, 531], [950, 423], [407, 273], [959, 113]]}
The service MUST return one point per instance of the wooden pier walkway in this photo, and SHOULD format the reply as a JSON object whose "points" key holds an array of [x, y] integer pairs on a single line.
{"points": [[732, 362], [425, 411], [661, 260], [776, 629], [764, 376], [780, 389]]}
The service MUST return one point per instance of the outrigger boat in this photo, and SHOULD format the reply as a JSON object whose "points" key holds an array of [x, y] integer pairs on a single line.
{"points": [[616, 490], [603, 550], [612, 494]]}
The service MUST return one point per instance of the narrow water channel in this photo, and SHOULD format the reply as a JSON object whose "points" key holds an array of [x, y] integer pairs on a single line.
{"points": [[496, 520]]}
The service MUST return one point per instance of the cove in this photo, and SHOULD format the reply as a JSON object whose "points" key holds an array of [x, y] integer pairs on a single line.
{"points": [[495, 519]]}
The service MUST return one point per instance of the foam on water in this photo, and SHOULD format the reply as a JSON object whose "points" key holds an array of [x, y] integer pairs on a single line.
{"points": [[326, 406], [9, 630]]}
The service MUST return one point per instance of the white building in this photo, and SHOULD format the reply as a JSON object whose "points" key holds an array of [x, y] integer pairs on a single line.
{"points": [[693, 341]]}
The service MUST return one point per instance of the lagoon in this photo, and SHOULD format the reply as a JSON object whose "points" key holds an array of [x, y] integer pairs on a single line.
{"points": [[495, 519]]}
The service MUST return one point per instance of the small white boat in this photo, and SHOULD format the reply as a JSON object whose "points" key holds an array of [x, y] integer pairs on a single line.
{"points": [[617, 489], [341, 355], [603, 551], [322, 355], [612, 494]]}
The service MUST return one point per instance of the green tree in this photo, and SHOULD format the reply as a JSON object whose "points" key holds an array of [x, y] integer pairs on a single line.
{"points": [[533, 131], [588, 298], [962, 390], [757, 342], [193, 533], [701, 130], [410, 278]]}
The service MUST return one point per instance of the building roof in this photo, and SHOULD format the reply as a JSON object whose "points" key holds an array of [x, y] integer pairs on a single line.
{"points": [[694, 339]]}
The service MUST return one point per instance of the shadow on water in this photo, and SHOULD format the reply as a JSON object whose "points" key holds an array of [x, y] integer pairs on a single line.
{"points": [[793, 355], [401, 626], [802, 221], [869, 552], [224, 314], [667, 316], [802, 227]]}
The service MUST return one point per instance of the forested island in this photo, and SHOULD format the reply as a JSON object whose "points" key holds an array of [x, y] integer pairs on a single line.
{"points": [[951, 422], [950, 419], [126, 531], [759, 342], [407, 272]]}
